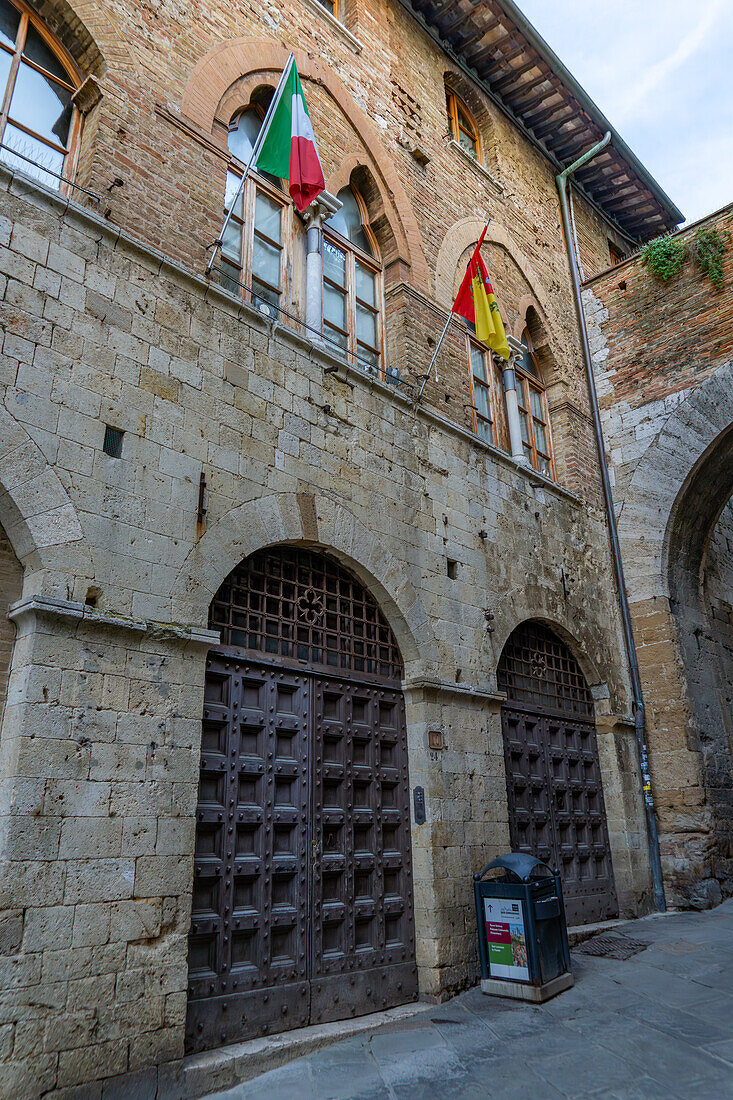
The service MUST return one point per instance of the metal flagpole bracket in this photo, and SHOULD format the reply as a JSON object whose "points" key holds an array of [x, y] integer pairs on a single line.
{"points": [[216, 245]]}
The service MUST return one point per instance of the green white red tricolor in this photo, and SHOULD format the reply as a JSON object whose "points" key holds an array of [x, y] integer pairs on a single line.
{"points": [[289, 148]]}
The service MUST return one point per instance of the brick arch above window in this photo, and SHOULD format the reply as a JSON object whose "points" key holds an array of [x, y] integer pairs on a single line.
{"points": [[459, 239], [87, 30], [206, 100]]}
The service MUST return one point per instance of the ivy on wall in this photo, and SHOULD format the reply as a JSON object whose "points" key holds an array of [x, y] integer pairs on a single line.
{"points": [[665, 256]]}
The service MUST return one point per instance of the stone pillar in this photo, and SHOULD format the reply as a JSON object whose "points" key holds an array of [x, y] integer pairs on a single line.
{"points": [[99, 760], [509, 381], [315, 215]]}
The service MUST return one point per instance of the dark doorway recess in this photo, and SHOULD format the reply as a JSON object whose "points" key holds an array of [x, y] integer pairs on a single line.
{"points": [[302, 895], [556, 807]]}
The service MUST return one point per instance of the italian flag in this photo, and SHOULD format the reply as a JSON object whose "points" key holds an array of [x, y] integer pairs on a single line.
{"points": [[289, 148]]}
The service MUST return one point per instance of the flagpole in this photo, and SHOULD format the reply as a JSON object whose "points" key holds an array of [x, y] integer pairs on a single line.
{"points": [[435, 354], [442, 336], [253, 156]]}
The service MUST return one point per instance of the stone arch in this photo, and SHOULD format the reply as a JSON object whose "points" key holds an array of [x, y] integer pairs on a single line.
{"points": [[318, 521], [225, 65], [670, 508], [698, 428], [37, 514], [463, 235], [90, 34], [579, 627]]}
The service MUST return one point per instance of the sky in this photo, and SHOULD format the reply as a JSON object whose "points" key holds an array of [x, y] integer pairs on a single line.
{"points": [[662, 73]]}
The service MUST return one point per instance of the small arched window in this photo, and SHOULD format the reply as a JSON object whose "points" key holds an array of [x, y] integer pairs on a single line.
{"points": [[533, 414], [253, 255], [352, 283], [462, 127], [39, 126]]}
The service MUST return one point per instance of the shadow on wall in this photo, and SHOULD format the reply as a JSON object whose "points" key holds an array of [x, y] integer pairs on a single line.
{"points": [[700, 572]]}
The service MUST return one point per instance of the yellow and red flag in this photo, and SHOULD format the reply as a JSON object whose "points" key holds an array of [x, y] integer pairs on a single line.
{"points": [[476, 302]]}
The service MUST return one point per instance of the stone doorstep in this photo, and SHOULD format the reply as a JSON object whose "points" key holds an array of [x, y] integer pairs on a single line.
{"points": [[581, 932], [214, 1071]]}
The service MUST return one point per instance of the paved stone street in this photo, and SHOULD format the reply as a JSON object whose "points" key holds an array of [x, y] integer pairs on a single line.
{"points": [[657, 1026]]}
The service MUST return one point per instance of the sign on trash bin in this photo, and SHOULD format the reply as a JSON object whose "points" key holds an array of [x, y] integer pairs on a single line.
{"points": [[507, 941]]}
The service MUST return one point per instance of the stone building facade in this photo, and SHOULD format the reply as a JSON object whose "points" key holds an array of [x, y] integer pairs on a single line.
{"points": [[170, 441], [664, 362]]}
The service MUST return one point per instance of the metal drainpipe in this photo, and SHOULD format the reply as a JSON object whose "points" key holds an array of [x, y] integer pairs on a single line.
{"points": [[639, 714]]}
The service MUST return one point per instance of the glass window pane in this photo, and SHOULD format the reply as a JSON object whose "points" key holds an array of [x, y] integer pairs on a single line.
{"points": [[544, 466], [481, 397], [5, 62], [525, 429], [366, 284], [38, 154], [334, 263], [41, 105], [540, 438], [528, 363], [478, 363], [36, 49], [232, 185], [536, 401], [232, 242], [467, 142], [243, 131], [368, 358], [266, 262], [268, 217], [366, 326], [347, 221], [9, 23], [262, 295], [484, 431], [230, 277], [334, 306]]}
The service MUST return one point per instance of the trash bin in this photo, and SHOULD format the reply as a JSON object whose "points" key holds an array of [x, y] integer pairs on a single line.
{"points": [[522, 934]]}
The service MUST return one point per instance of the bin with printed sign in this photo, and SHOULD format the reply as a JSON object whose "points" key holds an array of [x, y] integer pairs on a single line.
{"points": [[522, 932]]}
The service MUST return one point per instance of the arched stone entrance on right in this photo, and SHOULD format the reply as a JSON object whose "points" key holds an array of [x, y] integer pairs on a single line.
{"points": [[554, 787]]}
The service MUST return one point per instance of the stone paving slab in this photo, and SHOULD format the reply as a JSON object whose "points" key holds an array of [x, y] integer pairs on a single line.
{"points": [[658, 1026]]}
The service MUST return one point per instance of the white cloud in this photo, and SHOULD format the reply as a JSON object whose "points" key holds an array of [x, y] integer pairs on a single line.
{"points": [[660, 71]]}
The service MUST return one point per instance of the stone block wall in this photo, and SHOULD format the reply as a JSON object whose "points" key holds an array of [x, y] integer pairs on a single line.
{"points": [[662, 356], [100, 739]]}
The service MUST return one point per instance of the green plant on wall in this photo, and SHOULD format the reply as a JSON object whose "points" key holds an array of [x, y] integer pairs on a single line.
{"points": [[708, 248], [664, 256]]}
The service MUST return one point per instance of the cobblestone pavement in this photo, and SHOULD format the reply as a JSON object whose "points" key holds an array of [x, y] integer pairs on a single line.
{"points": [[657, 1026]]}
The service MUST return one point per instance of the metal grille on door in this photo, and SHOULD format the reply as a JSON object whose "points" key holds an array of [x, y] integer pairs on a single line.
{"points": [[556, 807], [302, 907]]}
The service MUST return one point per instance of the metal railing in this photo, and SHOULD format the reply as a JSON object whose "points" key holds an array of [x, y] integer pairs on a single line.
{"points": [[295, 324]]}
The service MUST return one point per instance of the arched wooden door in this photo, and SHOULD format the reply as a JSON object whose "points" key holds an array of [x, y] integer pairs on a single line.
{"points": [[556, 807], [302, 895]]}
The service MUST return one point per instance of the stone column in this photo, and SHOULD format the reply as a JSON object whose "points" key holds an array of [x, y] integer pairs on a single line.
{"points": [[509, 383], [315, 215]]}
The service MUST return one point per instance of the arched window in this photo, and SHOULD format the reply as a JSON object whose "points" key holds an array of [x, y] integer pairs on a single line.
{"points": [[533, 415], [39, 126], [489, 422], [253, 255], [352, 283], [462, 127]]}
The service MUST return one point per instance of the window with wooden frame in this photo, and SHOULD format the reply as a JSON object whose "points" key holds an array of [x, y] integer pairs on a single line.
{"points": [[533, 415], [352, 283], [39, 125], [257, 237], [462, 127], [332, 6], [489, 421]]}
